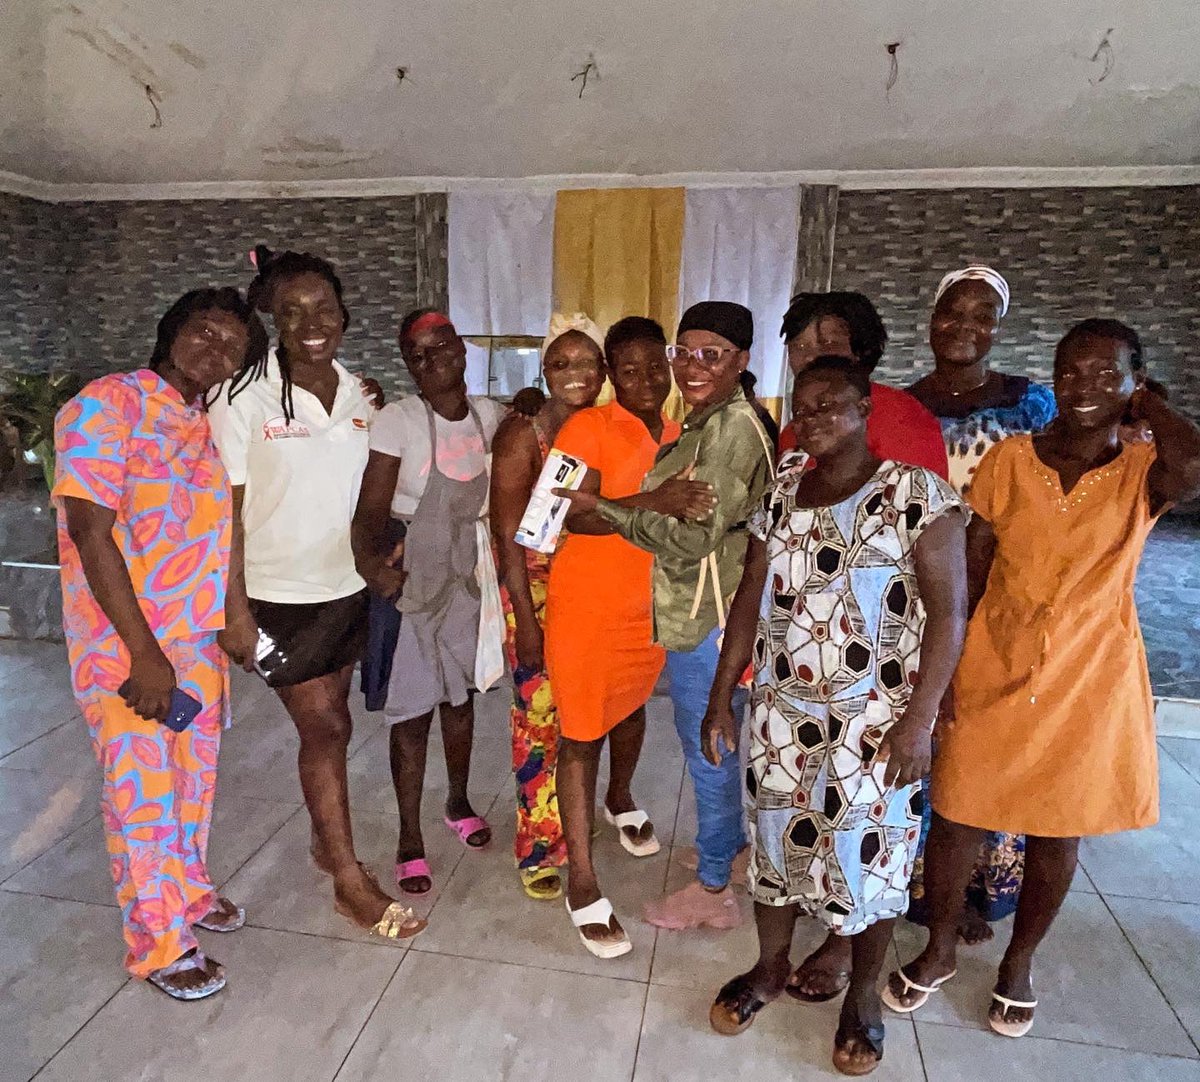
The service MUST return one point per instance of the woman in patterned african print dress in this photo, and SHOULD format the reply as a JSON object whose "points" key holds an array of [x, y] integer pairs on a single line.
{"points": [[856, 581]]}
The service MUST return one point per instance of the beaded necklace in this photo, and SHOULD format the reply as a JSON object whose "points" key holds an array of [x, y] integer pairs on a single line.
{"points": [[1084, 487]]}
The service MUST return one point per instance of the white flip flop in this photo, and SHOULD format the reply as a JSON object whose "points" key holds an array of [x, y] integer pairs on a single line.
{"points": [[599, 912], [911, 986], [1010, 1029], [636, 820]]}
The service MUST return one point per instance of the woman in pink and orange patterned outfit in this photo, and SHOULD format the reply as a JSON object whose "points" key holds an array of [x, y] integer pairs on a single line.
{"points": [[145, 520]]}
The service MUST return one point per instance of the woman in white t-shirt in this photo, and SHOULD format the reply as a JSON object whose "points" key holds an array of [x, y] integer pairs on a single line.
{"points": [[293, 434], [428, 469]]}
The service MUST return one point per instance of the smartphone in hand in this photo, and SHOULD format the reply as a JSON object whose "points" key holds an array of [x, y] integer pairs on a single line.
{"points": [[181, 711]]}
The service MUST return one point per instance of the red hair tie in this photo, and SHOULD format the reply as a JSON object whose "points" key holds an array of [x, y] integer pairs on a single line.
{"points": [[428, 322]]}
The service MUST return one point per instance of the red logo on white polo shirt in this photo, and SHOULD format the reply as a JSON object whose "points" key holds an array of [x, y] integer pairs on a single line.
{"points": [[280, 428], [360, 424]]}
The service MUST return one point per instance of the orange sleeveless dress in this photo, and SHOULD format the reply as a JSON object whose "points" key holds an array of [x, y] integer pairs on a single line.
{"points": [[600, 653]]}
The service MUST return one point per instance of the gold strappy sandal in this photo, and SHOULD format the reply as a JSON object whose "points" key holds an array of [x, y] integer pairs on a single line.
{"points": [[397, 922]]}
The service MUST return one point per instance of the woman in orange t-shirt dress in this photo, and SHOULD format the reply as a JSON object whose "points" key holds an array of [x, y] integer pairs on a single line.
{"points": [[600, 651], [1052, 730]]}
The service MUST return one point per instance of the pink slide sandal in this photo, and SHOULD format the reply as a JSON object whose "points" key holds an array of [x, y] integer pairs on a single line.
{"points": [[467, 828], [407, 870]]}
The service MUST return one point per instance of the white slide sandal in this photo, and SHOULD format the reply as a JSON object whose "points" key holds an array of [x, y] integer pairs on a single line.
{"points": [[1010, 1029], [599, 912], [635, 820], [911, 986]]}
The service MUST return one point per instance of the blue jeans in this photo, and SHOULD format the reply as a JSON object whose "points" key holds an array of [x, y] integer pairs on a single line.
{"points": [[720, 833]]}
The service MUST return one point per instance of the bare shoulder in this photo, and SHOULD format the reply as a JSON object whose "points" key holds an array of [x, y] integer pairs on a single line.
{"points": [[514, 437]]}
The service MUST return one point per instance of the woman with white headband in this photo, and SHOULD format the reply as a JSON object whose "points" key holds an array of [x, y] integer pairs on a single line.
{"points": [[977, 408], [573, 371]]}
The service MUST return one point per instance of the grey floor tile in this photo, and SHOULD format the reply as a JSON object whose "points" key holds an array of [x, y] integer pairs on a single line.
{"points": [[788, 1040], [292, 1009], [1167, 937], [77, 867], [1091, 986], [33, 709], [247, 692], [1082, 883], [656, 789], [37, 811], [956, 1055], [18, 656], [258, 755], [282, 889], [504, 969], [1161, 862], [53, 979], [370, 773], [66, 749], [482, 912], [464, 1020], [706, 959], [1184, 751]]}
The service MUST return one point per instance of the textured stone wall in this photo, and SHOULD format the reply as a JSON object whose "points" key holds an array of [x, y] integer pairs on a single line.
{"points": [[82, 285], [1067, 253], [32, 331], [120, 265]]}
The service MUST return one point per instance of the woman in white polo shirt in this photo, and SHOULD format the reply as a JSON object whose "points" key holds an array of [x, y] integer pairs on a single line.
{"points": [[293, 433], [429, 469]]}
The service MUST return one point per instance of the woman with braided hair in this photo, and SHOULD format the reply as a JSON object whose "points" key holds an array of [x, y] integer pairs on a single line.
{"points": [[292, 431], [150, 612]]}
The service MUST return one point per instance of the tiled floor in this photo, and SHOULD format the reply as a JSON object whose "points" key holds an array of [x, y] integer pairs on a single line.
{"points": [[1168, 598], [498, 987]]}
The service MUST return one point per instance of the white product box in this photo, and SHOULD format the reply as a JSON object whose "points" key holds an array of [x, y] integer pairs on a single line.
{"points": [[544, 515]]}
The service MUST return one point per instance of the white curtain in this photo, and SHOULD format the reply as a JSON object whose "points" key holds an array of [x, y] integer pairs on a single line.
{"points": [[739, 244], [501, 259]]}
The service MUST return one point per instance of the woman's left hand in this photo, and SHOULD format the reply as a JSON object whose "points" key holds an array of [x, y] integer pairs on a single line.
{"points": [[907, 747], [372, 389]]}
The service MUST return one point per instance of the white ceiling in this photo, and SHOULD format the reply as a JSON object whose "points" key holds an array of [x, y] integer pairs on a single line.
{"points": [[252, 90]]}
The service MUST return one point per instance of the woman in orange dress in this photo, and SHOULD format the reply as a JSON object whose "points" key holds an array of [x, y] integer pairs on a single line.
{"points": [[1051, 734], [600, 653]]}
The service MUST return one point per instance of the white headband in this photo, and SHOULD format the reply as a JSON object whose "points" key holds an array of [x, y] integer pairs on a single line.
{"points": [[976, 273], [560, 325]]}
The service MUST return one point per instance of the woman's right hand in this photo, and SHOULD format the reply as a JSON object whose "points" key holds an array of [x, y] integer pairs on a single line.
{"points": [[239, 639], [384, 579], [147, 692], [531, 646], [718, 727], [681, 497]]}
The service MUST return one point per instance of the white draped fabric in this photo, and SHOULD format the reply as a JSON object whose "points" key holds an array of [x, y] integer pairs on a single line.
{"points": [[739, 244], [501, 259]]}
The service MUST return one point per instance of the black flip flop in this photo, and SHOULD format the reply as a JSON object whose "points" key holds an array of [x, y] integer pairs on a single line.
{"points": [[872, 1036], [734, 1008]]}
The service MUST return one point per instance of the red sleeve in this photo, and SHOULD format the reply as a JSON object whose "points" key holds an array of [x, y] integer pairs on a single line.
{"points": [[901, 429], [787, 439]]}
